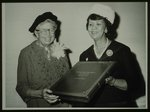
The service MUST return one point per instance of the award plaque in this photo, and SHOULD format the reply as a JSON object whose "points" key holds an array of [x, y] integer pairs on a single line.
{"points": [[81, 82]]}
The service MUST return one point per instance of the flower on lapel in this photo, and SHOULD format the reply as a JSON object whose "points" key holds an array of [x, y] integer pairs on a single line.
{"points": [[58, 50], [109, 52]]}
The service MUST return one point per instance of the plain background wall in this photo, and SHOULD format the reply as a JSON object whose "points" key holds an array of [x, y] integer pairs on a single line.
{"points": [[17, 18]]}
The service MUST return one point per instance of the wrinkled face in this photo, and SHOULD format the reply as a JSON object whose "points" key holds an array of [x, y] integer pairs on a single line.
{"points": [[45, 32], [96, 28]]}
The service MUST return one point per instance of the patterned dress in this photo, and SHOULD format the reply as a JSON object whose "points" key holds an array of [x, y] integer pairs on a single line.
{"points": [[36, 72]]}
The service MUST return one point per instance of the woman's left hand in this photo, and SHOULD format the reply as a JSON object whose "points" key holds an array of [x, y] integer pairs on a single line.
{"points": [[110, 80], [118, 83]]}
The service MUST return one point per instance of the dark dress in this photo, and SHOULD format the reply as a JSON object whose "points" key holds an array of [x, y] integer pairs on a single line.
{"points": [[126, 68], [36, 72]]}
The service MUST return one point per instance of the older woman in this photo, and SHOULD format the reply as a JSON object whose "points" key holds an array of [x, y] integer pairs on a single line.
{"points": [[126, 83], [41, 64]]}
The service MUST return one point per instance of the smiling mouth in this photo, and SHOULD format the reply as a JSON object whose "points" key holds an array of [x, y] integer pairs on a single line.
{"points": [[93, 32]]}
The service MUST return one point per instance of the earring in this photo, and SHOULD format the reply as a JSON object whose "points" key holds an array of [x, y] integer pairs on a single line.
{"points": [[106, 30]]}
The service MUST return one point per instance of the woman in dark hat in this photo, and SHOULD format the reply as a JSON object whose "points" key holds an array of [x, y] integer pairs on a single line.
{"points": [[41, 64], [126, 82]]}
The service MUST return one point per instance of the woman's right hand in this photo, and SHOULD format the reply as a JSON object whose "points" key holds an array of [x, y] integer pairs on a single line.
{"points": [[49, 97]]}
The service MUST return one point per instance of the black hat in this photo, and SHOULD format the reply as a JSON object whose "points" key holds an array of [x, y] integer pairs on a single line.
{"points": [[41, 18]]}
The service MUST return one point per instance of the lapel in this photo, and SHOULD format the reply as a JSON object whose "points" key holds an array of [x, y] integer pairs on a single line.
{"points": [[110, 51]]}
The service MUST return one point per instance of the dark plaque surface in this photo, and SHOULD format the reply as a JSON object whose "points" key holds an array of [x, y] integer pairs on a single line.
{"points": [[82, 81]]}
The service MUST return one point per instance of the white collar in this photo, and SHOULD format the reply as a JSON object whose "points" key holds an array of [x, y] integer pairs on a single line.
{"points": [[100, 55]]}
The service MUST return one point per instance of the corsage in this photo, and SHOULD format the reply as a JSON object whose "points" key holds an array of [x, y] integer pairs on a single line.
{"points": [[58, 50]]}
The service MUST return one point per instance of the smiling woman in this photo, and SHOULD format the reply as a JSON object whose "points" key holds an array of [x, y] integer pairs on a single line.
{"points": [[118, 89], [41, 64], [45, 32]]}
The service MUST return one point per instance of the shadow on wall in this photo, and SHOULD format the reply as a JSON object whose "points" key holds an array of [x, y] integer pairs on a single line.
{"points": [[140, 90], [113, 29], [57, 35]]}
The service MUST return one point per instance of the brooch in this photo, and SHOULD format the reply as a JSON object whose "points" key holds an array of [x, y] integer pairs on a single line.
{"points": [[109, 52], [86, 59]]}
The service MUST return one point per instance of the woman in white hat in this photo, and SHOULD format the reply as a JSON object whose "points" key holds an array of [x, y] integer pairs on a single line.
{"points": [[126, 83]]}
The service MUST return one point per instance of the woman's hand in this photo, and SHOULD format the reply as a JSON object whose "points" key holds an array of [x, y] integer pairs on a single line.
{"points": [[110, 80], [118, 83], [49, 97]]}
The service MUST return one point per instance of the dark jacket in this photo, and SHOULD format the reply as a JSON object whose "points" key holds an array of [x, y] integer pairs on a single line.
{"points": [[126, 68]]}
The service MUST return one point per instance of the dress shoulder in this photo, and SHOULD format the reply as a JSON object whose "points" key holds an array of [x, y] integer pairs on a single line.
{"points": [[28, 48], [119, 45], [87, 51]]}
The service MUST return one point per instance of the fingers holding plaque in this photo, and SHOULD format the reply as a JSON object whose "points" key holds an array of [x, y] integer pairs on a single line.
{"points": [[49, 97], [110, 80]]}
